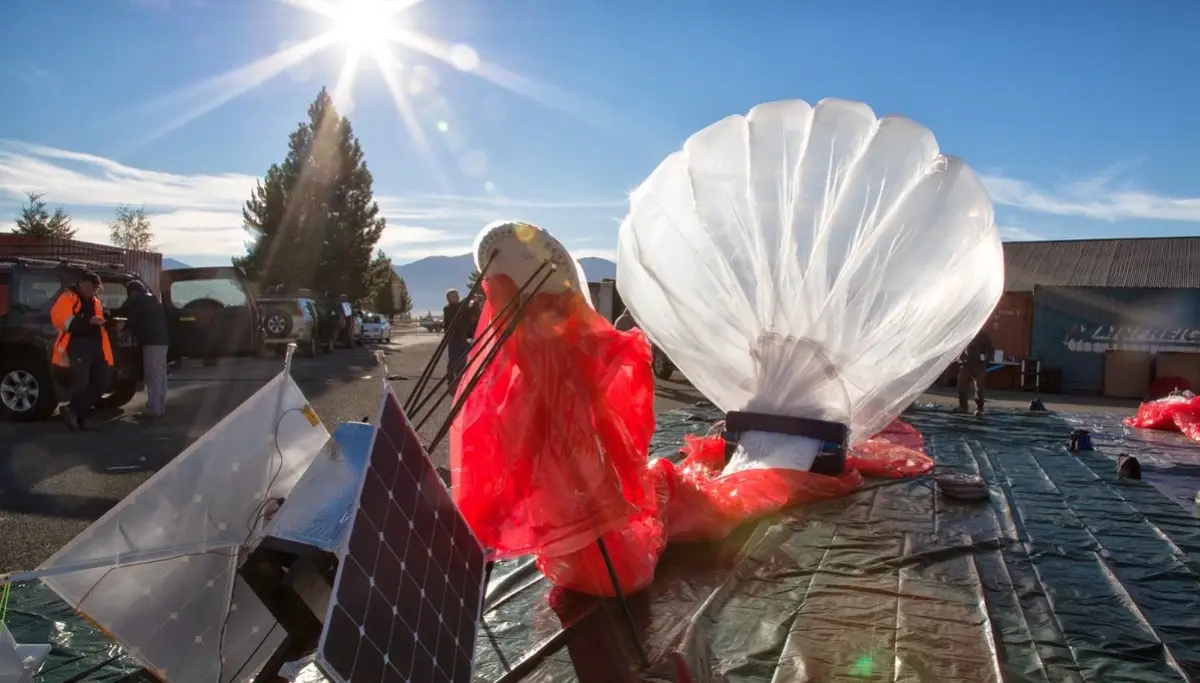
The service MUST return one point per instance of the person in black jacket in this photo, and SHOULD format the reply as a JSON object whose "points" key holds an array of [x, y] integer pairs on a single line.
{"points": [[459, 336], [972, 371], [147, 319]]}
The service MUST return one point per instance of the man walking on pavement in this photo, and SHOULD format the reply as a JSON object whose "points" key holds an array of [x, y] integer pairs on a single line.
{"points": [[459, 334], [972, 371], [82, 346], [147, 319]]}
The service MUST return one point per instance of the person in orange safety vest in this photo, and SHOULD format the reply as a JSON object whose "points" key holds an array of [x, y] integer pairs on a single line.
{"points": [[82, 347]]}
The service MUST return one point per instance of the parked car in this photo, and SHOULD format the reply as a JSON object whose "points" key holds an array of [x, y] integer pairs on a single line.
{"points": [[211, 313], [294, 319], [376, 328], [431, 324], [31, 388]]}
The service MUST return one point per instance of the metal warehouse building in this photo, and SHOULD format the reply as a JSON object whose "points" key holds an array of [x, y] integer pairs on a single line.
{"points": [[1103, 316]]}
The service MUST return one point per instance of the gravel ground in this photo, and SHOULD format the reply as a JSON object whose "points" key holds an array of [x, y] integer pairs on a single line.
{"points": [[54, 483]]}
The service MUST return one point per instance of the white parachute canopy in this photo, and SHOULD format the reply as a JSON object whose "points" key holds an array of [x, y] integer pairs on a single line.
{"points": [[812, 262]]}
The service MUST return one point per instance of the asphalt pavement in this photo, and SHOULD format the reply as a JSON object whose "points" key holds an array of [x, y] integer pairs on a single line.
{"points": [[54, 483]]}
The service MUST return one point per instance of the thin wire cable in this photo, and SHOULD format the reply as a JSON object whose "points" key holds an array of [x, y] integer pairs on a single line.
{"points": [[493, 350], [466, 393], [451, 327], [252, 525], [502, 317]]}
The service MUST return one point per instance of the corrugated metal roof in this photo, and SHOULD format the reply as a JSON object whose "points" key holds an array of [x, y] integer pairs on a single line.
{"points": [[1171, 262]]}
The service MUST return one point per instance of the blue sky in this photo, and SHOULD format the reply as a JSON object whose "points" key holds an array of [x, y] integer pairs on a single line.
{"points": [[1081, 116]]}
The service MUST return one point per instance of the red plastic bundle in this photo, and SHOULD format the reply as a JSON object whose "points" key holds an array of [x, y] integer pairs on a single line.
{"points": [[706, 506], [549, 452], [1171, 414]]}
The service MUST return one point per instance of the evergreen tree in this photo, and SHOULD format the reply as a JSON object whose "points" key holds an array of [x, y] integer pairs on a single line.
{"points": [[131, 229], [472, 279], [404, 301], [313, 220], [381, 284], [36, 220]]}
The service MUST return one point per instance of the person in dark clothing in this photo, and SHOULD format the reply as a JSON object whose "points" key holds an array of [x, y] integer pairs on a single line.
{"points": [[147, 319], [82, 347], [458, 335], [972, 371]]}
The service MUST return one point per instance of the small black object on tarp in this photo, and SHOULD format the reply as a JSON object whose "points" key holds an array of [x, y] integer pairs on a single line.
{"points": [[1036, 406], [1081, 440], [1128, 467], [830, 460], [962, 486]]}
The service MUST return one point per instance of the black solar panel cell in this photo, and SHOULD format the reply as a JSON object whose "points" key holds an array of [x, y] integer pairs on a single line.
{"points": [[407, 597]]}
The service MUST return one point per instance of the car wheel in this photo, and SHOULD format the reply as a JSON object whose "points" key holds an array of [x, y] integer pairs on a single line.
{"points": [[661, 365], [277, 324], [26, 390], [119, 397]]}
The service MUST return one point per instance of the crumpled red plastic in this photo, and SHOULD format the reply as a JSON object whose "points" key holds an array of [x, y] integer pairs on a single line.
{"points": [[1170, 414], [549, 451]]}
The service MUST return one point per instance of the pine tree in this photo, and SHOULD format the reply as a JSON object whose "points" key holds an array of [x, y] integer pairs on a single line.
{"points": [[404, 301], [382, 298], [472, 279], [131, 229], [313, 220], [36, 220]]}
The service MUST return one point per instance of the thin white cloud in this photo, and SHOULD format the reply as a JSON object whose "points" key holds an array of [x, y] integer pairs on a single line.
{"points": [[1098, 197], [200, 214], [1016, 233]]}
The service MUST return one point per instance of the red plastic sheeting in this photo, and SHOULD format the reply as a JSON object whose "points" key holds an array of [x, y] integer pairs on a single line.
{"points": [[550, 453], [1171, 414]]}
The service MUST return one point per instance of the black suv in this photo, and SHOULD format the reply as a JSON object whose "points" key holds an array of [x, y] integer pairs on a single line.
{"points": [[30, 387], [211, 313]]}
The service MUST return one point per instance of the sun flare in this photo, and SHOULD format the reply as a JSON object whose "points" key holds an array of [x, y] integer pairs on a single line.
{"points": [[365, 24]]}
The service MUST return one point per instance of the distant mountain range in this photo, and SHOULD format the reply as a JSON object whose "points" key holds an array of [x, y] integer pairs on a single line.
{"points": [[430, 277]]}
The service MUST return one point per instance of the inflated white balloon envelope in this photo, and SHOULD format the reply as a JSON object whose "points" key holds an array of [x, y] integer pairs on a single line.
{"points": [[520, 250], [158, 572], [810, 262]]}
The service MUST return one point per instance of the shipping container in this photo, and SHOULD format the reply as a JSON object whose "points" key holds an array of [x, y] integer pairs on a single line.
{"points": [[145, 264], [1011, 325], [1075, 327]]}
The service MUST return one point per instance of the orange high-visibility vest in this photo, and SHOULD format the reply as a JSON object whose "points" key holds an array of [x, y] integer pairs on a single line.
{"points": [[61, 315]]}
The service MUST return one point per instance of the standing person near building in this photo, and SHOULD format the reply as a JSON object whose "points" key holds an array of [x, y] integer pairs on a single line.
{"points": [[972, 371], [147, 319], [458, 334], [82, 346]]}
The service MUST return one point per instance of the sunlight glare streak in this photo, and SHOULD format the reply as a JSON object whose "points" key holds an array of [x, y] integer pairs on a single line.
{"points": [[232, 83], [343, 88], [528, 88], [409, 118]]}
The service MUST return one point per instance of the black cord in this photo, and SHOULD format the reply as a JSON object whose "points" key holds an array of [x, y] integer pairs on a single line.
{"points": [[251, 525], [251, 656]]}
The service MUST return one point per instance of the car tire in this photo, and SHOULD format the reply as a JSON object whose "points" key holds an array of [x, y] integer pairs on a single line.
{"points": [[277, 324], [119, 397], [662, 366], [19, 377]]}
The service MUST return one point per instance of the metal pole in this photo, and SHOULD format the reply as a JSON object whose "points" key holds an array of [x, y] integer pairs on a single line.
{"points": [[629, 623]]}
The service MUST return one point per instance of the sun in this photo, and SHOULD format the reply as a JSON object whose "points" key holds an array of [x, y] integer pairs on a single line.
{"points": [[364, 24]]}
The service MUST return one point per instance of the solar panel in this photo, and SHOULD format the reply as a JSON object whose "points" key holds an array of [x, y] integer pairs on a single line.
{"points": [[409, 590]]}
